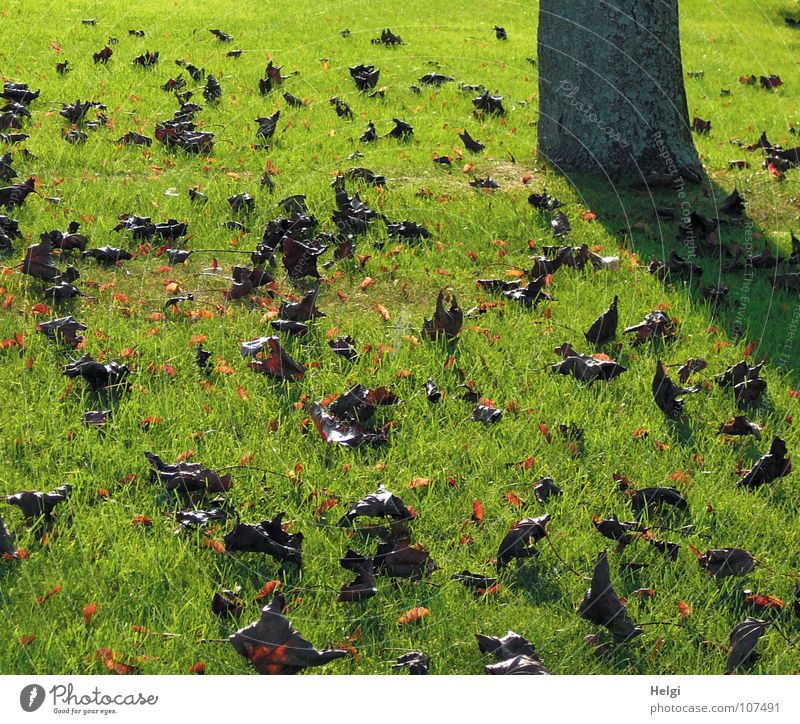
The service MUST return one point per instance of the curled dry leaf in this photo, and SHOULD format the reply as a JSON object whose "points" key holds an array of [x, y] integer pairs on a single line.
{"points": [[363, 587], [584, 367], [770, 467], [445, 323], [34, 504], [604, 328], [98, 375], [656, 326], [521, 540], [514, 654], [743, 640], [724, 562], [348, 434], [228, 603], [279, 365], [398, 558], [740, 426], [666, 393], [268, 537], [602, 606], [187, 477], [273, 645], [63, 330], [7, 549], [417, 663], [380, 504]]}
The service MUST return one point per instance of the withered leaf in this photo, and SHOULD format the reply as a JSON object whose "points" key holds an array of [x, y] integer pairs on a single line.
{"points": [[268, 537], [300, 258], [604, 328], [475, 581], [546, 488], [63, 330], [744, 380], [303, 311], [398, 558], [770, 467], [647, 500], [348, 434], [279, 364], [586, 368], [506, 647], [417, 663], [611, 528], [487, 103], [380, 504], [520, 541], [97, 374], [743, 640], [487, 414], [514, 654], [656, 325], [363, 587], [432, 391], [188, 519], [34, 504], [666, 393], [187, 477], [602, 607], [470, 143], [6, 541], [724, 562], [401, 130], [740, 426], [228, 603], [108, 255], [344, 347], [365, 76], [359, 403], [273, 645], [445, 323], [688, 368]]}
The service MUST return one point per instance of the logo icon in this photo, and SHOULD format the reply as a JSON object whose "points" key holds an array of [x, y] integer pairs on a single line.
{"points": [[31, 697]]}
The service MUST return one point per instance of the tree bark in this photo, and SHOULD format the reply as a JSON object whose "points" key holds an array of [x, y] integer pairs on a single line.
{"points": [[612, 101]]}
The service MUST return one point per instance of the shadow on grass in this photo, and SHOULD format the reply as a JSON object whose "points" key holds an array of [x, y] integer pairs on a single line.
{"points": [[755, 308]]}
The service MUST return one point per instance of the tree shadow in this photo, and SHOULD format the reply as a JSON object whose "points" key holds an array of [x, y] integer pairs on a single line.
{"points": [[755, 307]]}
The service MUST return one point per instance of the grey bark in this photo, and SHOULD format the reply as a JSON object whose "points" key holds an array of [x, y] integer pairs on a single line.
{"points": [[611, 96]]}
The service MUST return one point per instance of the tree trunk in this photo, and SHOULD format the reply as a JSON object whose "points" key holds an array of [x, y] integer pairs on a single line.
{"points": [[611, 97]]}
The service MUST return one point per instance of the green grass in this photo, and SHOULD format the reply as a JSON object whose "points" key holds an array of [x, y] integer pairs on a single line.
{"points": [[152, 578]]}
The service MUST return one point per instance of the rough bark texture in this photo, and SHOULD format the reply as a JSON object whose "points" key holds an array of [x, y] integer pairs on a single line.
{"points": [[611, 95]]}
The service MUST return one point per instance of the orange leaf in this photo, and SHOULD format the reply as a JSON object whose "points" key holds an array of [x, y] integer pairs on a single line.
{"points": [[545, 432], [418, 483], [89, 610], [477, 511], [513, 499], [198, 668], [113, 664], [412, 615], [380, 309], [267, 589], [41, 599], [684, 609], [242, 392]]}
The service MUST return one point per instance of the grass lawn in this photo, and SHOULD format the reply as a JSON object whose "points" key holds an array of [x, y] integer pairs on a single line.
{"points": [[146, 577]]}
